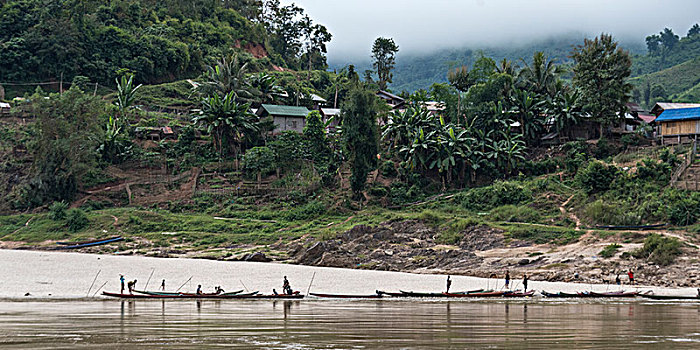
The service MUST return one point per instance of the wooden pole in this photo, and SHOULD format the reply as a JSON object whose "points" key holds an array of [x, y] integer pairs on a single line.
{"points": [[149, 278], [312, 281], [93, 283], [184, 283], [98, 289], [246, 288]]}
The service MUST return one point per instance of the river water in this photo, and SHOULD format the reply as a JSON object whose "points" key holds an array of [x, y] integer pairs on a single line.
{"points": [[56, 314]]}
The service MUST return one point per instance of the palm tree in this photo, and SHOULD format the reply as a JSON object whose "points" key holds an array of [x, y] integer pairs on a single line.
{"points": [[126, 95], [265, 87], [528, 108], [228, 121], [225, 76], [566, 111], [541, 77]]}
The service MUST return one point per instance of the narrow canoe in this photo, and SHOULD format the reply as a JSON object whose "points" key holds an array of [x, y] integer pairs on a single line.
{"points": [[473, 291], [560, 295], [140, 296], [476, 295], [233, 293], [156, 293], [519, 294], [251, 295], [423, 295], [86, 242], [91, 244], [612, 294], [391, 294], [670, 297], [347, 296]]}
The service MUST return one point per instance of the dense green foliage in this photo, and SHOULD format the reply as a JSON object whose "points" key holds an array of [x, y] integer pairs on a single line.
{"points": [[360, 135], [659, 249]]}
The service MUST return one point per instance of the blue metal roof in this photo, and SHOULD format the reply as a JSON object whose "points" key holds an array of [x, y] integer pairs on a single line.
{"points": [[679, 114]]}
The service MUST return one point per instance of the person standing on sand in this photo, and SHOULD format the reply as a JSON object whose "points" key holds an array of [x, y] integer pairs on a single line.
{"points": [[121, 279], [507, 279], [525, 283], [630, 274], [449, 283], [617, 280], [162, 285]]}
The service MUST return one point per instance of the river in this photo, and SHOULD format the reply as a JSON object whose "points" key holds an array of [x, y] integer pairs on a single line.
{"points": [[57, 313]]}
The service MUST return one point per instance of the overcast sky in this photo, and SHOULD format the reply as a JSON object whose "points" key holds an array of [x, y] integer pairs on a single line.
{"points": [[425, 25]]}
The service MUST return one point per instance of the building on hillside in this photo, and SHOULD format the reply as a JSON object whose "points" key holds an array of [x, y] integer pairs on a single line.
{"points": [[434, 107], [155, 133], [659, 107], [285, 117], [395, 102], [332, 114], [634, 117], [679, 125], [4, 108]]}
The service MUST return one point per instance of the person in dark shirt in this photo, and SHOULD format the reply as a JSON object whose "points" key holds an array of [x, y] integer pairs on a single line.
{"points": [[449, 283], [507, 279], [199, 289], [121, 279], [525, 282], [286, 288], [131, 285], [162, 285]]}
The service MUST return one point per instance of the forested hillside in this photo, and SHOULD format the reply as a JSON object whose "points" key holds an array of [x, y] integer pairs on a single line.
{"points": [[420, 71], [158, 41]]}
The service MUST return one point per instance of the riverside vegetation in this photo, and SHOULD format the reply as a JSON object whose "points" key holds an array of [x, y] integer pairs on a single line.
{"points": [[471, 190]]}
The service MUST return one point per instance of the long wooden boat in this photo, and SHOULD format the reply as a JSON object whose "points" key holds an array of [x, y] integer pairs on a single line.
{"points": [[391, 294], [347, 296], [251, 295], [423, 295], [474, 291], [476, 295], [92, 243], [560, 295], [611, 294], [518, 294], [630, 227], [670, 297], [86, 242], [156, 293]]}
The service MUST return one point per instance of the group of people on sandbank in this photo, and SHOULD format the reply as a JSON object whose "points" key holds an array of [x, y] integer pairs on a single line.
{"points": [[131, 286]]}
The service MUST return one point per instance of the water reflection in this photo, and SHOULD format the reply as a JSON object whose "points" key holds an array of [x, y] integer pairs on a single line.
{"points": [[348, 324]]}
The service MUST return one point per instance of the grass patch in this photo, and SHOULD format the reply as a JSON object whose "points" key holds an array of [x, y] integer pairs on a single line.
{"points": [[610, 250], [541, 234]]}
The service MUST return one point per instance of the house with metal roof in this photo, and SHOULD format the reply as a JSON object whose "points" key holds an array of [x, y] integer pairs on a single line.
{"points": [[660, 107], [679, 125], [395, 102], [285, 117]]}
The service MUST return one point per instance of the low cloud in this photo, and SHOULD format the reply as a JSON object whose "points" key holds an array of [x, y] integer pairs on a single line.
{"points": [[422, 26]]}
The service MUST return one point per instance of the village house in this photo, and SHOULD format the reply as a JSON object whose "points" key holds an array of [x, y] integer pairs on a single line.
{"points": [[285, 117], [659, 107], [332, 114], [4, 108], [679, 125], [395, 102]]}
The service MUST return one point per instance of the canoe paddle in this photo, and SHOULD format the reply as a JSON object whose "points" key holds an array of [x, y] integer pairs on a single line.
{"points": [[312, 281], [246, 288], [149, 278], [98, 289]]}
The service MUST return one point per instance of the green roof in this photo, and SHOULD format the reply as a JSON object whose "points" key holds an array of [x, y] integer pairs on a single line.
{"points": [[292, 111]]}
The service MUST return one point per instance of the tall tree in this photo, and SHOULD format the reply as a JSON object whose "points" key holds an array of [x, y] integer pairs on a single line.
{"points": [[384, 55], [694, 30], [541, 76], [360, 135], [600, 73], [653, 44]]}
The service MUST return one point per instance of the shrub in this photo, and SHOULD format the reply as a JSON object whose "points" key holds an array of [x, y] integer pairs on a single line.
{"points": [[498, 194], [682, 207], [77, 220], [651, 170], [378, 191], [659, 249], [512, 213], [542, 167], [259, 160], [604, 213], [630, 140], [596, 177], [57, 210], [604, 149], [308, 211], [610, 250], [388, 169]]}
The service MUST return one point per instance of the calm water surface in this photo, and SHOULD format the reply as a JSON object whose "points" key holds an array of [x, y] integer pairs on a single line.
{"points": [[348, 324]]}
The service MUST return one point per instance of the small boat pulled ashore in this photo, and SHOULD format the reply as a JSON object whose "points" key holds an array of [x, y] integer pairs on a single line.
{"points": [[347, 296], [76, 245], [621, 294], [670, 297], [560, 295]]}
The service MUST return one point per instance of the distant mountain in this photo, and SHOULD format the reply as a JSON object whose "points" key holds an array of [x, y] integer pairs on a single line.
{"points": [[414, 72]]}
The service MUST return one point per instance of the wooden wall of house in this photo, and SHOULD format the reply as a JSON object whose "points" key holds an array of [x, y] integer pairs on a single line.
{"points": [[289, 123], [680, 127]]}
